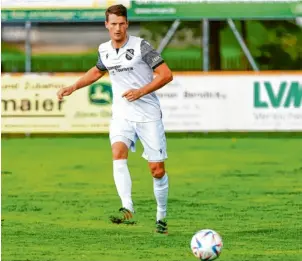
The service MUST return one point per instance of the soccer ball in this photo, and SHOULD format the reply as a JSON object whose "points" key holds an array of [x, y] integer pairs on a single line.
{"points": [[206, 244]]}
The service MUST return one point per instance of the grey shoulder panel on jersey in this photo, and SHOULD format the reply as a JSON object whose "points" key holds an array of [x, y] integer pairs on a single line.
{"points": [[100, 64], [150, 56]]}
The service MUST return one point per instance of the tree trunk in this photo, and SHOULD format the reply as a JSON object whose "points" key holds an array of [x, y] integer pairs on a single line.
{"points": [[244, 60], [215, 58]]}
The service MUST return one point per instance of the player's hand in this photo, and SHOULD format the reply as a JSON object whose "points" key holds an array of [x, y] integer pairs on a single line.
{"points": [[133, 94], [65, 91]]}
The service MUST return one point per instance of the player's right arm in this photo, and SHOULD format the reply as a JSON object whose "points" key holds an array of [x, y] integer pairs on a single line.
{"points": [[88, 78]]}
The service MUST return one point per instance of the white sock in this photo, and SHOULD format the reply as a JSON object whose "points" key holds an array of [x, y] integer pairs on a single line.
{"points": [[123, 182], [161, 187]]}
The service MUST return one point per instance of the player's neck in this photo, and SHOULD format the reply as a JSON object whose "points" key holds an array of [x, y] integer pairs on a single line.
{"points": [[119, 44]]}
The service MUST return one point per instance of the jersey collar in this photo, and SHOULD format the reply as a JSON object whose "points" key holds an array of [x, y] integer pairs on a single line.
{"points": [[128, 37]]}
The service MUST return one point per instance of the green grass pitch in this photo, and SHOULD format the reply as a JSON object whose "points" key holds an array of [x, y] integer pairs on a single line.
{"points": [[57, 195]]}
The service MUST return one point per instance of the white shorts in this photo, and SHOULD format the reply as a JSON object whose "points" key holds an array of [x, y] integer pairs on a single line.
{"points": [[151, 134]]}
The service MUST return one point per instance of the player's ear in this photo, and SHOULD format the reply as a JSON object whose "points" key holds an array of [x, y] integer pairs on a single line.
{"points": [[106, 24]]}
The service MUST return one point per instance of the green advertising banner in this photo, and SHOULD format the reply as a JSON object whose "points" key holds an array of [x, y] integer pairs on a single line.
{"points": [[140, 10], [195, 10]]}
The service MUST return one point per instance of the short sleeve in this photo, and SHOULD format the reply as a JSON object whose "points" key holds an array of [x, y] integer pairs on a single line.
{"points": [[150, 56], [100, 64]]}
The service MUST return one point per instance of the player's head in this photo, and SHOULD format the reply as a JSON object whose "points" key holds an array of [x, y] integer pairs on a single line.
{"points": [[116, 22]]}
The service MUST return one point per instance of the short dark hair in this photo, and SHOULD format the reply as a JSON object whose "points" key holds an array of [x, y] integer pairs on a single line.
{"points": [[118, 10]]}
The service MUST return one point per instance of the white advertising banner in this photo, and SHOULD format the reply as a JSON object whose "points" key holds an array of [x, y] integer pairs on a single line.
{"points": [[243, 102]]}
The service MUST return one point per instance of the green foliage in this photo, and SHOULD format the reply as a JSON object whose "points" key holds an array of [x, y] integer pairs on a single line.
{"points": [[50, 63], [9, 49], [282, 49], [276, 45], [188, 34], [185, 59]]}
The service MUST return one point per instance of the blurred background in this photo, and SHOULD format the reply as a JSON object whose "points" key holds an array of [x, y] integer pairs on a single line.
{"points": [[50, 44], [67, 40]]}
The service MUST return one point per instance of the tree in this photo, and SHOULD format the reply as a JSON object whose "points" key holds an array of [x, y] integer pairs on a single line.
{"points": [[283, 51]]}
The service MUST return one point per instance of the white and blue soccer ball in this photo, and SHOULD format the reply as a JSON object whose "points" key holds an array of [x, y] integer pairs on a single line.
{"points": [[206, 244]]}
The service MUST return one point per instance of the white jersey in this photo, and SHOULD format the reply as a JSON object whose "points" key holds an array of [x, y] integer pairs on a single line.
{"points": [[131, 67]]}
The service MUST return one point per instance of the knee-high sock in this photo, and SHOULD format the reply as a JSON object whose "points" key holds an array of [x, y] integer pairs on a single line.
{"points": [[123, 182], [161, 187]]}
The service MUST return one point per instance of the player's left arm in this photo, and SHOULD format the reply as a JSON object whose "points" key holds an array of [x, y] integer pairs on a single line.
{"points": [[163, 73], [163, 76]]}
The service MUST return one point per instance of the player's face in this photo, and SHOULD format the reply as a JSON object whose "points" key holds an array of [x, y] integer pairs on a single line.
{"points": [[117, 27]]}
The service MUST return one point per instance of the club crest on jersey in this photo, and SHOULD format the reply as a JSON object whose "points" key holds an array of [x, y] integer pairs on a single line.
{"points": [[129, 54]]}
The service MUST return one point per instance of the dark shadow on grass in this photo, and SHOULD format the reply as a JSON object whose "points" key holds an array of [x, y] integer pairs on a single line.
{"points": [[6, 172]]}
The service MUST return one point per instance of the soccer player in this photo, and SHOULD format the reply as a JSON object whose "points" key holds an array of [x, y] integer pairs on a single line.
{"points": [[136, 113]]}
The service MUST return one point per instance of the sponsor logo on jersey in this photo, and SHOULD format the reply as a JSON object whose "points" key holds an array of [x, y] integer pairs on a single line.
{"points": [[118, 68]]}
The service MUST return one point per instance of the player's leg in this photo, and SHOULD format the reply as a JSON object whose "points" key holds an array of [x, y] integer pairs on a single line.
{"points": [[121, 172], [160, 187], [122, 138], [153, 139]]}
